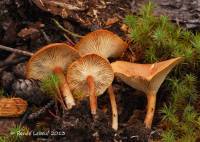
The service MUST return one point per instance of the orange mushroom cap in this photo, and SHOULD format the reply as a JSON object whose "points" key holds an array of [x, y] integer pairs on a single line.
{"points": [[103, 43], [48, 58], [144, 77], [89, 65]]}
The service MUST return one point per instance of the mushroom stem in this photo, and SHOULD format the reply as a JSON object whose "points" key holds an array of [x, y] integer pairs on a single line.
{"points": [[66, 94], [151, 104], [92, 93], [114, 108]]}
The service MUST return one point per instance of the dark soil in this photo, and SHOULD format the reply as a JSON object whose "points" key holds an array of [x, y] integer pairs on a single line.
{"points": [[76, 125]]}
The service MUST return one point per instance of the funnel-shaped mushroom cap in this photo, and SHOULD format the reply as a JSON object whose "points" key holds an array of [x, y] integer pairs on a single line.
{"points": [[45, 60], [144, 77], [89, 65], [103, 43]]}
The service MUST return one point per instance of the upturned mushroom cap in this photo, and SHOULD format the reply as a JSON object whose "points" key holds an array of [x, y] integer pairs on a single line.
{"points": [[144, 77], [45, 60], [89, 65], [103, 43]]}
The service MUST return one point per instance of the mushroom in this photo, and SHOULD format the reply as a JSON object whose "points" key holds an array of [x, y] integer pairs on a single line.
{"points": [[103, 43], [90, 76], [53, 58], [12, 107], [146, 78]]}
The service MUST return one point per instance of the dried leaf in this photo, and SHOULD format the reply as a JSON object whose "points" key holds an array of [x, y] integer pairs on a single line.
{"points": [[27, 32]]}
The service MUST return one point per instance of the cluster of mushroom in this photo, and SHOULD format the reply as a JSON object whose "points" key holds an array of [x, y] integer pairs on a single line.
{"points": [[85, 71]]}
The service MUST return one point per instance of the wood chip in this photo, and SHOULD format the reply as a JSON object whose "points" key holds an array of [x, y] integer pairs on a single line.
{"points": [[12, 107], [111, 21], [124, 28]]}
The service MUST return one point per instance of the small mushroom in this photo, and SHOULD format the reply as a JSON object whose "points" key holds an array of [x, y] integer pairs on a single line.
{"points": [[103, 43], [53, 58], [146, 78], [90, 76]]}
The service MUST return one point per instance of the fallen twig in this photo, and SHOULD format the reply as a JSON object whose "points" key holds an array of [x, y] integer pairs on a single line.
{"points": [[67, 31], [37, 114], [46, 37], [25, 116], [26, 53]]}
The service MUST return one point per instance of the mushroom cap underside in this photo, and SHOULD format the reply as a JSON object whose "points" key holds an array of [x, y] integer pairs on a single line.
{"points": [[144, 77], [103, 43], [89, 65], [45, 60]]}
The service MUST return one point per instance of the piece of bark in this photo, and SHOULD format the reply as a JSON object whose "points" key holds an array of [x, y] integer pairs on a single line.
{"points": [[12, 107], [92, 14], [60, 7], [186, 12]]}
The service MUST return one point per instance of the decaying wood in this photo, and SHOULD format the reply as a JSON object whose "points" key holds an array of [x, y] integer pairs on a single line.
{"points": [[12, 107], [60, 7], [186, 12]]}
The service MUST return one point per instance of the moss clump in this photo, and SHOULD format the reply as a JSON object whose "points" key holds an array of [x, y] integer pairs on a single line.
{"points": [[181, 119], [160, 38], [15, 134], [50, 85]]}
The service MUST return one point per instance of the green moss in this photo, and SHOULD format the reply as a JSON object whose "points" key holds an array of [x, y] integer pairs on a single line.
{"points": [[168, 136], [160, 37], [3, 139], [14, 135], [50, 85]]}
